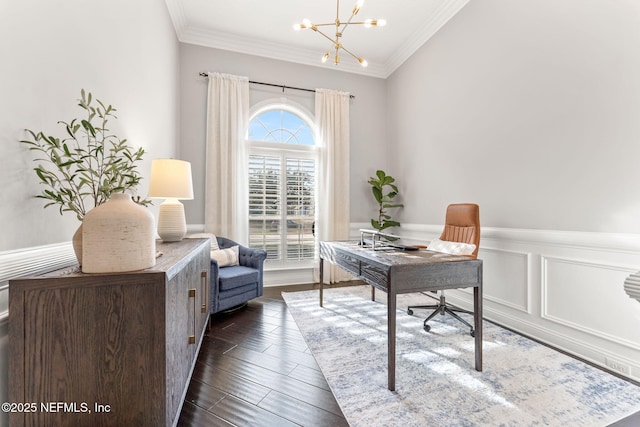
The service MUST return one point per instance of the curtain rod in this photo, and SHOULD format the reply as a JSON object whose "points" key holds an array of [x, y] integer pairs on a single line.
{"points": [[281, 86]]}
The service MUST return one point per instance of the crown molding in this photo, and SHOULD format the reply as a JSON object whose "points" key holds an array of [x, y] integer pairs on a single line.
{"points": [[250, 46], [177, 15], [431, 26]]}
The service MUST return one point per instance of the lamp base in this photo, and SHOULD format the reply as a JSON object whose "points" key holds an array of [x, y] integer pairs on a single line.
{"points": [[172, 226]]}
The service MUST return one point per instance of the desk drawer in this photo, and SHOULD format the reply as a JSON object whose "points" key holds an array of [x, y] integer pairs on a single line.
{"points": [[348, 263], [372, 274]]}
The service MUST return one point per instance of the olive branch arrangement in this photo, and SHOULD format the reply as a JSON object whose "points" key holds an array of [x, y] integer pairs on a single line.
{"points": [[82, 170]]}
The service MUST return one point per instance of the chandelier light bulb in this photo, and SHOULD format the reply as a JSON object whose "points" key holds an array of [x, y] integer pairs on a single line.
{"points": [[306, 23], [363, 62], [325, 57], [375, 23], [357, 7]]}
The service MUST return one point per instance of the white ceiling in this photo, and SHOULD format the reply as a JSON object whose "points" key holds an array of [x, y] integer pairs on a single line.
{"points": [[265, 28]]}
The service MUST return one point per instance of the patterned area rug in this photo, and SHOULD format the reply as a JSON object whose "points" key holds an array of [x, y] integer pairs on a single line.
{"points": [[523, 383]]}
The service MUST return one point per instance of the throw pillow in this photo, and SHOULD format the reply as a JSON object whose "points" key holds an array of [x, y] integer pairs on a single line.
{"points": [[453, 248], [226, 257]]}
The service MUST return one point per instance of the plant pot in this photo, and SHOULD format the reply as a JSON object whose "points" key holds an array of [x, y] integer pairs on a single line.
{"points": [[118, 236], [76, 242]]}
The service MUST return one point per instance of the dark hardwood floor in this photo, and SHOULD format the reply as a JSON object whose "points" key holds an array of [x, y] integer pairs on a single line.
{"points": [[254, 369]]}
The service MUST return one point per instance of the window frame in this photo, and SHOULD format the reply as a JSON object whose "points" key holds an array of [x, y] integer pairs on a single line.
{"points": [[284, 151]]}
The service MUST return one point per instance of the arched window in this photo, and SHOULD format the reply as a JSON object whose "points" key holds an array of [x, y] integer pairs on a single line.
{"points": [[282, 183]]}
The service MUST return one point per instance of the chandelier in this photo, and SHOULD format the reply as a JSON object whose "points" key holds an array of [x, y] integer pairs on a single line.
{"points": [[340, 28]]}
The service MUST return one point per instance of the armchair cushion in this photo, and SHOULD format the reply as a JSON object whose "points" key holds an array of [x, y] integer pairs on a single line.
{"points": [[236, 276]]}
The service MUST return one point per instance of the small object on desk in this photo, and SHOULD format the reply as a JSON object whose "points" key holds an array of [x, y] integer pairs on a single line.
{"points": [[405, 247]]}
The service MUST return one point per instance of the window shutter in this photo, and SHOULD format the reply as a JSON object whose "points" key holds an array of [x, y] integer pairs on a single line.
{"points": [[301, 175], [265, 204]]}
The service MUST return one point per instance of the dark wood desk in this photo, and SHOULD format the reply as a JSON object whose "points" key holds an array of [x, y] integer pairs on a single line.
{"points": [[399, 272]]}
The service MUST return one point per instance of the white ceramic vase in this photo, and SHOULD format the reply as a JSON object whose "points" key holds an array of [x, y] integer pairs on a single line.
{"points": [[118, 236], [76, 242]]}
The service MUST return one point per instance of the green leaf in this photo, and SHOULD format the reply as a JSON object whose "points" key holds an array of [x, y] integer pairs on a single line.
{"points": [[377, 193], [388, 180], [388, 224]]}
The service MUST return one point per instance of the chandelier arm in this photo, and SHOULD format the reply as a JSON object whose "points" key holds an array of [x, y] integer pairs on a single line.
{"points": [[349, 52], [346, 24], [335, 42]]}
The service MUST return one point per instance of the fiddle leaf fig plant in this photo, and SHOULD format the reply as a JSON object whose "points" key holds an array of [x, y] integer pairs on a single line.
{"points": [[82, 170], [384, 190]]}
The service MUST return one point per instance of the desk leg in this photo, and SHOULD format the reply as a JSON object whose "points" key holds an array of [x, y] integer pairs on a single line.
{"points": [[321, 278], [477, 319], [391, 340]]}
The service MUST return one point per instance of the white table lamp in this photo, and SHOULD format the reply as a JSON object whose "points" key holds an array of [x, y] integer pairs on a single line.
{"points": [[171, 180]]}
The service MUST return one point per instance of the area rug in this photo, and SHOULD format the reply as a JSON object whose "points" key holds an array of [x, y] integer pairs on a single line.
{"points": [[523, 383]]}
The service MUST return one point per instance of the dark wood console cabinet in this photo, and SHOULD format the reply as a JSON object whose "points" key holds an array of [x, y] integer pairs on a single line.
{"points": [[108, 349]]}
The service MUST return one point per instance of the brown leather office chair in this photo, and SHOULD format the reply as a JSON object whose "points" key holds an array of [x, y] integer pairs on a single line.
{"points": [[462, 224]]}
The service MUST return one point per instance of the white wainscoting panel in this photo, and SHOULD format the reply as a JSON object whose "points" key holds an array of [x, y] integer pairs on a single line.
{"points": [[595, 285], [506, 278]]}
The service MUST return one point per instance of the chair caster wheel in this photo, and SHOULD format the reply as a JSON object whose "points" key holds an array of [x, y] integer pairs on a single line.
{"points": [[409, 311], [473, 333], [427, 328]]}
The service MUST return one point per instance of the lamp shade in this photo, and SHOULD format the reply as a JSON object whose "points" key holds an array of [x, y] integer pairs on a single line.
{"points": [[171, 178]]}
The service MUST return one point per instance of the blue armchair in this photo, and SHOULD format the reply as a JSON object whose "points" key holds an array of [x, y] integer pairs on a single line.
{"points": [[235, 285]]}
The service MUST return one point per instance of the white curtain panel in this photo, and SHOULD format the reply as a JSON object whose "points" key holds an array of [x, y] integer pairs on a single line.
{"points": [[226, 202], [332, 120]]}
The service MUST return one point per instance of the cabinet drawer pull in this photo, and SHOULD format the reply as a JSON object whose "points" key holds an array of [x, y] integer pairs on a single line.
{"points": [[205, 290], [192, 294]]}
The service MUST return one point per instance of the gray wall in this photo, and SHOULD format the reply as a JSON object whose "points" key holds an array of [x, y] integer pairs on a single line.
{"points": [[530, 109], [369, 149], [50, 50]]}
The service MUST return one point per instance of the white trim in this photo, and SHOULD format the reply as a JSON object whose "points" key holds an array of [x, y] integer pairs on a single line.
{"points": [[35, 260], [30, 261], [286, 277], [625, 243], [544, 314], [527, 279], [593, 250], [264, 48], [433, 24]]}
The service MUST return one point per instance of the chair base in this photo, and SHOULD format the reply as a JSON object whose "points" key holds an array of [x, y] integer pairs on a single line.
{"points": [[235, 308], [442, 308]]}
